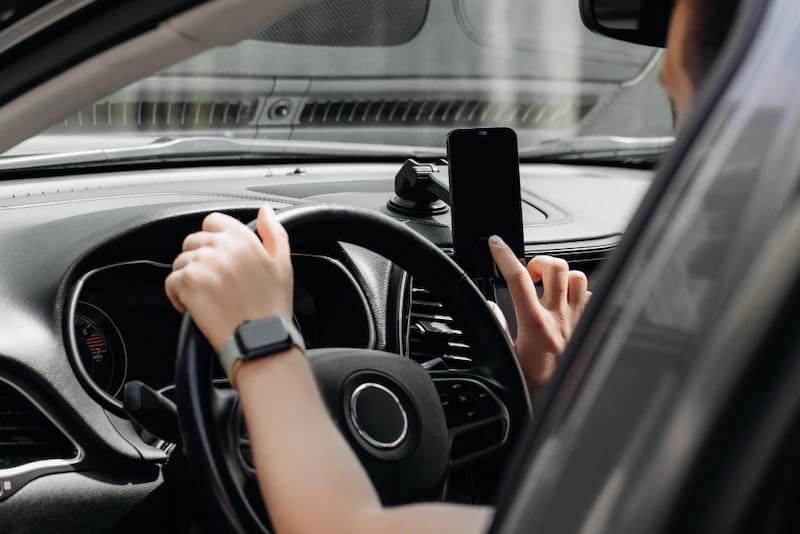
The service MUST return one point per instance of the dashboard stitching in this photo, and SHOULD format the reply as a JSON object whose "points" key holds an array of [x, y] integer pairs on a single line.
{"points": [[283, 200]]}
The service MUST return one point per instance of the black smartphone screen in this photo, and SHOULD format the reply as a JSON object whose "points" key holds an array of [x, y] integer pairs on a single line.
{"points": [[485, 195]]}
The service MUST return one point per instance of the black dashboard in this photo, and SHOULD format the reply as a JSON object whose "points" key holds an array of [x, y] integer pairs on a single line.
{"points": [[124, 328], [82, 308]]}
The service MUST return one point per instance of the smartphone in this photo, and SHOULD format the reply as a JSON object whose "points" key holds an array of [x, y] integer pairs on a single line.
{"points": [[485, 196]]}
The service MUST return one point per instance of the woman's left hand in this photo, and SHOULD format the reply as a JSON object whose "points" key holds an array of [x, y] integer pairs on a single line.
{"points": [[226, 275]]}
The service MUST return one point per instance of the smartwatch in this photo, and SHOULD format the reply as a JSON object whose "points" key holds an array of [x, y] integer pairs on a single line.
{"points": [[258, 339]]}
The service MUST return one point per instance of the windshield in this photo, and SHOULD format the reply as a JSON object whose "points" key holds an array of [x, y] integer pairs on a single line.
{"points": [[395, 74]]}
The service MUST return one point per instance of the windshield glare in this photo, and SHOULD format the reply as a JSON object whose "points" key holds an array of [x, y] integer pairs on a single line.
{"points": [[402, 73]]}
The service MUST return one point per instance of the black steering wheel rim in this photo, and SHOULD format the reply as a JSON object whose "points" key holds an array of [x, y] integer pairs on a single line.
{"points": [[493, 355]]}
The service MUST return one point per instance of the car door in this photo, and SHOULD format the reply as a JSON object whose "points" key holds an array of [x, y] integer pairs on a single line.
{"points": [[680, 395], [677, 274]]}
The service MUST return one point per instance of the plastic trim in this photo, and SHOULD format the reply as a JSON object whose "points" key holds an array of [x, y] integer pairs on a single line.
{"points": [[72, 341], [114, 404], [373, 335], [40, 465], [39, 20], [363, 433]]}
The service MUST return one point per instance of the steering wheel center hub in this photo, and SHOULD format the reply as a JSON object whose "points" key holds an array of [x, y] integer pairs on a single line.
{"points": [[378, 416]]}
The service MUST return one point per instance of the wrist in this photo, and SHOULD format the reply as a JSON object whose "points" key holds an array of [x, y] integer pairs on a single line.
{"points": [[252, 373], [537, 368], [255, 340]]}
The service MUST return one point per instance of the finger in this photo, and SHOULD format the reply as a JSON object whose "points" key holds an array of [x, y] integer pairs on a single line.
{"points": [[272, 233], [171, 286], [199, 239], [206, 255], [192, 256], [183, 259], [501, 318], [554, 273], [520, 286], [585, 302], [577, 289], [219, 222]]}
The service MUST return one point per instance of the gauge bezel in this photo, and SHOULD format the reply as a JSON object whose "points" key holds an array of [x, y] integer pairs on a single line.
{"points": [[108, 401], [115, 405], [115, 331]]}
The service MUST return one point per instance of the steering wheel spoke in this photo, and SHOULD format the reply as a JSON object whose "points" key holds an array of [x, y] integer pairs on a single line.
{"points": [[228, 415], [478, 420], [401, 424]]}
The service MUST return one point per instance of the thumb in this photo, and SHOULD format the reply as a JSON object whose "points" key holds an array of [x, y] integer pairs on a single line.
{"points": [[271, 232]]}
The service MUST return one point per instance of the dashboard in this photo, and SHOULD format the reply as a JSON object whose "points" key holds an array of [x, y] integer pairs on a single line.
{"points": [[123, 328], [83, 311]]}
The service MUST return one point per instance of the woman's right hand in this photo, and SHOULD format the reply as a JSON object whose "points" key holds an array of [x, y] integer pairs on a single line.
{"points": [[544, 325]]}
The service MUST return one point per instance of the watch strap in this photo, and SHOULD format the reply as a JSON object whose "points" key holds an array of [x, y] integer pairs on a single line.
{"points": [[230, 354]]}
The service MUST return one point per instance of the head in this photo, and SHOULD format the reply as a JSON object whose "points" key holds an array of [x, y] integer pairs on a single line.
{"points": [[697, 33]]}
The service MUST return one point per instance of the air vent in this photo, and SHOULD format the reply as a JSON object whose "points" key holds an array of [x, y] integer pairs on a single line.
{"points": [[548, 113], [588, 260], [433, 332], [160, 115], [26, 434]]}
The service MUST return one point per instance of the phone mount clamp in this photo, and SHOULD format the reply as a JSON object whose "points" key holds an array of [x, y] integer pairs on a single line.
{"points": [[419, 191]]}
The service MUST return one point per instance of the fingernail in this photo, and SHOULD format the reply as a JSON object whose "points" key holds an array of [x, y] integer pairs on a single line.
{"points": [[268, 209], [495, 240]]}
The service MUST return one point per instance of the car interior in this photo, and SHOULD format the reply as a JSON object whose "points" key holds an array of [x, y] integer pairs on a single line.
{"points": [[114, 414]]}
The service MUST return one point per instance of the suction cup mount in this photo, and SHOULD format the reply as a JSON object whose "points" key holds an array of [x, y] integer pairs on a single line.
{"points": [[419, 189]]}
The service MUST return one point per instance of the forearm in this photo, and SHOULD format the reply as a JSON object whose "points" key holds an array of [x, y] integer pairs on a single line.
{"points": [[310, 479], [306, 472], [534, 368]]}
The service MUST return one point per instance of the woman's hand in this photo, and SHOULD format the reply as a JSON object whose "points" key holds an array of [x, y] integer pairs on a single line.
{"points": [[226, 276], [543, 325]]}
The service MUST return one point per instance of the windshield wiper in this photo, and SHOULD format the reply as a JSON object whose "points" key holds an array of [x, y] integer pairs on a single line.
{"points": [[600, 149], [216, 148]]}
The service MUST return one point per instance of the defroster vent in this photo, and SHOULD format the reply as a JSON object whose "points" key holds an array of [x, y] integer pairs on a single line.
{"points": [[157, 115], [543, 113]]}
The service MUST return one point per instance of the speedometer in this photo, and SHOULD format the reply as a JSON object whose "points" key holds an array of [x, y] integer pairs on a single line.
{"points": [[102, 351]]}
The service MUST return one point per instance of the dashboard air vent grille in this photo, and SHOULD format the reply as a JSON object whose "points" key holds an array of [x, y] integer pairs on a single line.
{"points": [[433, 333], [587, 261], [26, 434], [547, 113]]}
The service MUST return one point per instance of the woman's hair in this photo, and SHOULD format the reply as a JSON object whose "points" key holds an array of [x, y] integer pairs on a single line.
{"points": [[712, 22]]}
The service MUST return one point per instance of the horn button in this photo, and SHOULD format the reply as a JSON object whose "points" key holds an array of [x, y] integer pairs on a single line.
{"points": [[389, 410], [378, 416]]}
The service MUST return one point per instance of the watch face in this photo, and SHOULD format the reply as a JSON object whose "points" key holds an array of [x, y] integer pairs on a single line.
{"points": [[263, 337]]}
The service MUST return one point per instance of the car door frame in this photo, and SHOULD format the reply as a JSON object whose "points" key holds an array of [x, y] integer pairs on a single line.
{"points": [[108, 44]]}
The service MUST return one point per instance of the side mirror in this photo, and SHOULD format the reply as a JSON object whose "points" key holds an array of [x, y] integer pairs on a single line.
{"points": [[643, 22]]}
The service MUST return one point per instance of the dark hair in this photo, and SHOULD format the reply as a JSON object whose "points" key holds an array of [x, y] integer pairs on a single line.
{"points": [[711, 24]]}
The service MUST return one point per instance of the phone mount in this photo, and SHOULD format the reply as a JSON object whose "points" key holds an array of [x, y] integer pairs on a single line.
{"points": [[419, 190]]}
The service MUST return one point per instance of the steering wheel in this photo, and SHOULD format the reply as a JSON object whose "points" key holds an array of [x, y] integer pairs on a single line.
{"points": [[407, 425]]}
